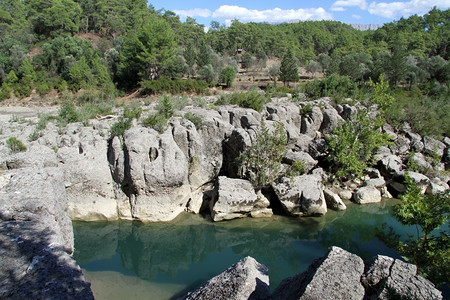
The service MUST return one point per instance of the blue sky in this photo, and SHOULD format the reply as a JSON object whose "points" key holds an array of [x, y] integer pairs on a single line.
{"points": [[348, 11]]}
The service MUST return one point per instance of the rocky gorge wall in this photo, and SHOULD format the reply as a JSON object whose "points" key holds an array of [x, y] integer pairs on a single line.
{"points": [[79, 173]]}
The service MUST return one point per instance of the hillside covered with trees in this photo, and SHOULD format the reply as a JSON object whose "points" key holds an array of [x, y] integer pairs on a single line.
{"points": [[113, 47]]}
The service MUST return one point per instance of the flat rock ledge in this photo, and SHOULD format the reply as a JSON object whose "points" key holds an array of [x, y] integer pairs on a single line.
{"points": [[338, 275]]}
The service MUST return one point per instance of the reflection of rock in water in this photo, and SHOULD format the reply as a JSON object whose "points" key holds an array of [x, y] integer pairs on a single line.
{"points": [[149, 249]]}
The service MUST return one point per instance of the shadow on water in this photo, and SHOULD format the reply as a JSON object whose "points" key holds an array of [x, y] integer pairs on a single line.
{"points": [[191, 250]]}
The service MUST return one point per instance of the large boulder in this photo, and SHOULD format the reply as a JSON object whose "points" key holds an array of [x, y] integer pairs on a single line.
{"points": [[335, 276], [311, 123], [333, 200], [388, 278], [87, 176], [433, 147], [302, 157], [391, 165], [32, 194], [153, 172], [235, 198], [37, 156], [367, 194], [331, 120], [246, 279], [302, 195]]}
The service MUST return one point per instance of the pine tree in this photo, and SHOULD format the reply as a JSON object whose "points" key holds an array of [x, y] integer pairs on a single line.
{"points": [[289, 69]]}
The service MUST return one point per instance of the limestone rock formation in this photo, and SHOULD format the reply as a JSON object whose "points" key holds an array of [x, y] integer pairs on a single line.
{"points": [[235, 198], [246, 279], [336, 276], [303, 195], [367, 194]]}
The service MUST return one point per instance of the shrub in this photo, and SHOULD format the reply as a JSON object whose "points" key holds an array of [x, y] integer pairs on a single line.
{"points": [[43, 88], [5, 91], [332, 86], [261, 162], [196, 120], [228, 75], [177, 86], [353, 143], [156, 121], [132, 111], [118, 129], [35, 135], [15, 145], [68, 112], [251, 99]]}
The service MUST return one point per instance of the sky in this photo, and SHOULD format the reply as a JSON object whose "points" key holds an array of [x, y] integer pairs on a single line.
{"points": [[279, 11]]}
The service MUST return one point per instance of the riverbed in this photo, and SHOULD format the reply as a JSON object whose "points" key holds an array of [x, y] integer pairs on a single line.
{"points": [[166, 260]]}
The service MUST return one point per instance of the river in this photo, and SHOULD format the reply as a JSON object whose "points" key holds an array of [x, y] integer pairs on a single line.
{"points": [[131, 260]]}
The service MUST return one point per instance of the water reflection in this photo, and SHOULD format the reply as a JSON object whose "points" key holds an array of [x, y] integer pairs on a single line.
{"points": [[190, 250]]}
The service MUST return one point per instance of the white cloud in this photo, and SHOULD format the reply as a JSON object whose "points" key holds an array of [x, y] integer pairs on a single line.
{"points": [[406, 9], [276, 15], [196, 12], [340, 5]]}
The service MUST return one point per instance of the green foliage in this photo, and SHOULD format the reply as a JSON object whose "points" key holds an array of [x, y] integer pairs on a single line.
{"points": [[251, 99], [353, 143], [195, 119], [178, 86], [68, 112], [332, 86], [297, 168], [118, 129], [5, 91], [132, 111], [289, 69], [15, 145], [261, 162], [306, 110], [429, 248], [35, 135], [158, 120], [380, 95], [228, 75]]}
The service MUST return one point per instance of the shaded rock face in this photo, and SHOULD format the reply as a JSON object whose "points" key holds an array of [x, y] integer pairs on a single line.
{"points": [[247, 279], [367, 194], [36, 238], [235, 198], [336, 276], [387, 278], [301, 196]]}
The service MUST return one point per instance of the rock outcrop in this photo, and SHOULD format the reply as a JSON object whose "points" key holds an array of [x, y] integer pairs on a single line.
{"points": [[302, 195], [337, 275], [246, 279]]}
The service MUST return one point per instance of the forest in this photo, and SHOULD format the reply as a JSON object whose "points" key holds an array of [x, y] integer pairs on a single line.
{"points": [[112, 47]]}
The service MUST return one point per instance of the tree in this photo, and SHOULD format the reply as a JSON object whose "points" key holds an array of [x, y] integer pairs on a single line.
{"points": [[313, 67], [147, 51], [429, 248], [289, 69], [228, 75], [397, 65], [190, 56], [353, 144], [204, 55], [261, 162], [274, 72], [207, 73]]}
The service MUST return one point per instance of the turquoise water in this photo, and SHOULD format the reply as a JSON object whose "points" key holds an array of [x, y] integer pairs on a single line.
{"points": [[166, 260]]}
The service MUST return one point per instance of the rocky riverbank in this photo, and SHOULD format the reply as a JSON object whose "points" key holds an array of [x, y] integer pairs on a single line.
{"points": [[78, 172]]}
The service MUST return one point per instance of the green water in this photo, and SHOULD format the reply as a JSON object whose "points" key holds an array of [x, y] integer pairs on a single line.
{"points": [[166, 260]]}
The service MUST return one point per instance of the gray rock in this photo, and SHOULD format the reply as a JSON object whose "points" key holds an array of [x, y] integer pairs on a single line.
{"points": [[32, 194], [375, 182], [333, 200], [387, 277], [37, 156], [348, 112], [235, 198], [433, 147], [367, 194], [247, 279], [301, 196], [304, 157], [420, 180], [318, 148], [437, 186], [35, 268], [153, 172], [420, 161], [311, 123], [416, 141], [345, 194], [391, 165], [331, 120], [401, 145], [303, 143], [233, 146], [335, 276]]}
